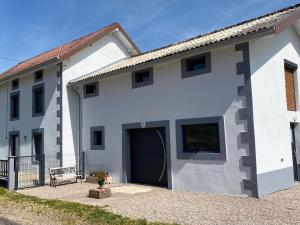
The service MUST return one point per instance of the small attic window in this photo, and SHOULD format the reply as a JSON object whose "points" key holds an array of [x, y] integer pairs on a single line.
{"points": [[38, 76], [142, 77], [91, 90], [196, 65], [15, 84]]}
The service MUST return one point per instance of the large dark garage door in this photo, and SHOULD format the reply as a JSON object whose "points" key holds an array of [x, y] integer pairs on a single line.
{"points": [[148, 156]]}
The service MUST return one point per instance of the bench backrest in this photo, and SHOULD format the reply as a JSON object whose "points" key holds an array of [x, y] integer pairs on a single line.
{"points": [[62, 170]]}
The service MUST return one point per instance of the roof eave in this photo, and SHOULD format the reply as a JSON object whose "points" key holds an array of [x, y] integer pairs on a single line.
{"points": [[288, 21], [30, 69], [222, 43]]}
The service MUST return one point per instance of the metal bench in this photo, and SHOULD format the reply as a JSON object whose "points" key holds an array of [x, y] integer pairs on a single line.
{"points": [[63, 174]]}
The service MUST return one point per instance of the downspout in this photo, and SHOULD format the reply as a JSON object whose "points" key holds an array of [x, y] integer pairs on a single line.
{"points": [[80, 160]]}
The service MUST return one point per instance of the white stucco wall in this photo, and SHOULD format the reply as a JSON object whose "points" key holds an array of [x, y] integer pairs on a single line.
{"points": [[101, 53], [26, 122], [271, 118], [171, 98]]}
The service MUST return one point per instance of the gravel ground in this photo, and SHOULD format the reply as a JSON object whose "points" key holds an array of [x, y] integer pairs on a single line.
{"points": [[156, 204]]}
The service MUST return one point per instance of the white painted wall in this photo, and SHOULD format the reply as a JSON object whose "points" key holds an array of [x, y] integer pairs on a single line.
{"points": [[26, 122], [171, 98], [271, 118], [101, 53]]}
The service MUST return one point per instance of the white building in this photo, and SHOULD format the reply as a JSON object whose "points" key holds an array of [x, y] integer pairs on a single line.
{"points": [[217, 113]]}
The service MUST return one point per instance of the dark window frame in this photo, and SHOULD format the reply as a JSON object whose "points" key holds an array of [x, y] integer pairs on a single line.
{"points": [[34, 88], [38, 79], [207, 69], [93, 94], [200, 155], [134, 74], [92, 130], [33, 132], [13, 94], [12, 84]]}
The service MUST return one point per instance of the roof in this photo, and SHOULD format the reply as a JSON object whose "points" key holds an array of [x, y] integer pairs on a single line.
{"points": [[274, 22], [66, 50]]}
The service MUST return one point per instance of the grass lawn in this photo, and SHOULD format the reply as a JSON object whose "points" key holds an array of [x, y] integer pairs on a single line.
{"points": [[69, 212]]}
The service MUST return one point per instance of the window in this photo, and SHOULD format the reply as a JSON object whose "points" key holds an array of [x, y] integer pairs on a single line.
{"points": [[91, 90], [289, 69], [97, 138], [196, 65], [38, 143], [142, 77], [15, 84], [14, 105], [38, 100], [201, 138], [38, 76]]}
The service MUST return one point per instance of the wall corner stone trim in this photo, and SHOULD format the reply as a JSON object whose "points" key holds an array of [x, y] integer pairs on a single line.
{"points": [[245, 114]]}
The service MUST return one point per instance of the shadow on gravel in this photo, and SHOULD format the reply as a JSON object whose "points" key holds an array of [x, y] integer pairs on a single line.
{"points": [[7, 222]]}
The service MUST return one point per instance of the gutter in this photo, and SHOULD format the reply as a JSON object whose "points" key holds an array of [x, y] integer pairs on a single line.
{"points": [[80, 161]]}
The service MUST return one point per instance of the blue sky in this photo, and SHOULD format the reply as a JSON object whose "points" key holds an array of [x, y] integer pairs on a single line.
{"points": [[30, 27]]}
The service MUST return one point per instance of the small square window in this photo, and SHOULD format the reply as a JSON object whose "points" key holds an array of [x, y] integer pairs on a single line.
{"points": [[196, 65], [97, 138], [15, 84], [91, 90], [142, 78], [38, 76]]}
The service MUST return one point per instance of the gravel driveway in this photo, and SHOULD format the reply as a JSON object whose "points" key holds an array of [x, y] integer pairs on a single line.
{"points": [[156, 204]]}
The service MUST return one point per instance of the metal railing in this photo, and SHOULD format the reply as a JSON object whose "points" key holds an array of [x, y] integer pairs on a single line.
{"points": [[3, 168]]}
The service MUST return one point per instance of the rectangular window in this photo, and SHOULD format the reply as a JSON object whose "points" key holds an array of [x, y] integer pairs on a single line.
{"points": [[38, 143], [97, 138], [289, 70], [38, 76], [14, 105], [14, 84], [196, 65], [91, 90], [142, 77], [201, 138], [38, 100]]}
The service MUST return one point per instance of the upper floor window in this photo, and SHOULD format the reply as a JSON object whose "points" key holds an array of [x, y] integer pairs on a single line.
{"points": [[15, 84], [142, 77], [38, 100], [14, 105], [289, 69], [91, 90], [196, 65], [38, 76]]}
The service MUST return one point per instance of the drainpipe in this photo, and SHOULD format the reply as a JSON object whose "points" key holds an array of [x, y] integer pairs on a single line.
{"points": [[80, 153]]}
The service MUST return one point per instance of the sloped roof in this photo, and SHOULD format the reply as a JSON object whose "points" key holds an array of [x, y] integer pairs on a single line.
{"points": [[275, 21], [66, 50]]}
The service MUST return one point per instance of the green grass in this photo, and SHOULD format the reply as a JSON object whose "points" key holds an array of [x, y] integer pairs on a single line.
{"points": [[90, 214]]}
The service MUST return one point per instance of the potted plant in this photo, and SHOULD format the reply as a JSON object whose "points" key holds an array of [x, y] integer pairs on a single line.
{"points": [[94, 174], [101, 177]]}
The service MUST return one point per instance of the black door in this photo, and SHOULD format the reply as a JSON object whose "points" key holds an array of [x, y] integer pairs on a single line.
{"points": [[148, 156], [294, 152]]}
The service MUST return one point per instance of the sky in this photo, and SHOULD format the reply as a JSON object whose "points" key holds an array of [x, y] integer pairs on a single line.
{"points": [[28, 28]]}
